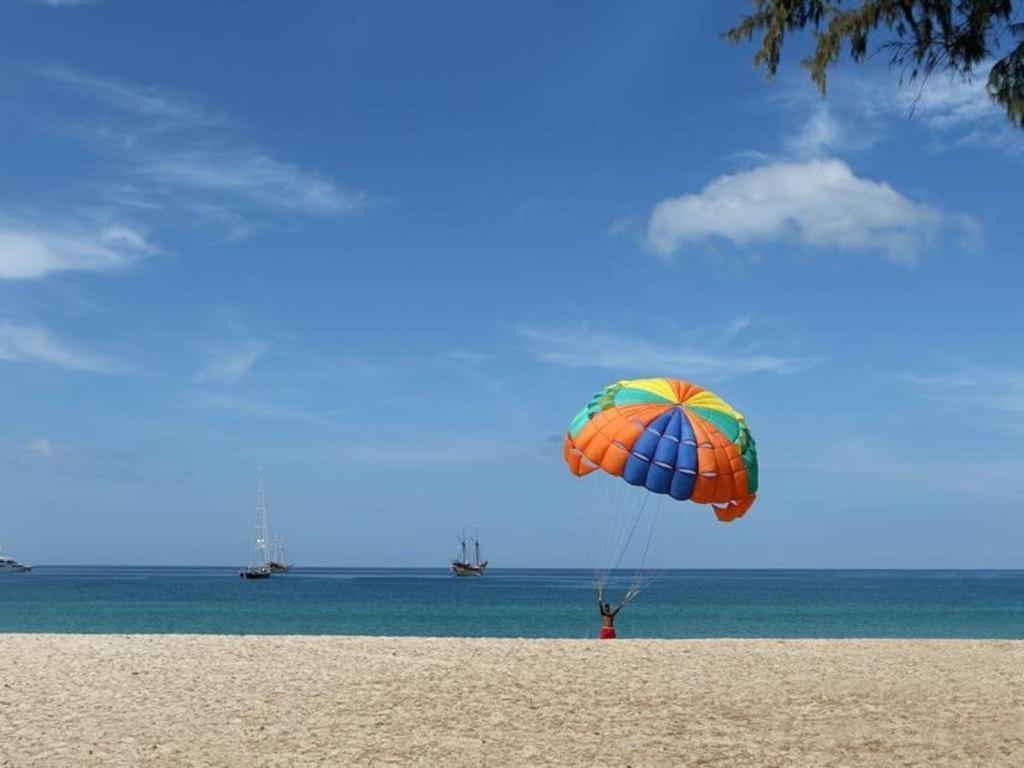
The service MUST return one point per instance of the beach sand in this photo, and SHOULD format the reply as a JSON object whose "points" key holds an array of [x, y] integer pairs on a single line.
{"points": [[112, 700]]}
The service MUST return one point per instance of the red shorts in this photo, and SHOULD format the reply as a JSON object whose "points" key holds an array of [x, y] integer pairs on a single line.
{"points": [[607, 633]]}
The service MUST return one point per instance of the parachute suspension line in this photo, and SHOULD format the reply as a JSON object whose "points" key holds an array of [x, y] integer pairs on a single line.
{"points": [[618, 523], [641, 580], [629, 536], [614, 530], [616, 514], [595, 550], [597, 522], [610, 524], [596, 558], [600, 498]]}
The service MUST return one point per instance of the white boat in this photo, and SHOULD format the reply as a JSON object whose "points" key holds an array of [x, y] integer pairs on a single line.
{"points": [[10, 565], [461, 566], [259, 560]]}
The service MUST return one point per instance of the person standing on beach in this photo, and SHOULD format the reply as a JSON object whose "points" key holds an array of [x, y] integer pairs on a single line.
{"points": [[608, 619]]}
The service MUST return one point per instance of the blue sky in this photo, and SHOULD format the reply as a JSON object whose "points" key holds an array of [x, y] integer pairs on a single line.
{"points": [[388, 250]]}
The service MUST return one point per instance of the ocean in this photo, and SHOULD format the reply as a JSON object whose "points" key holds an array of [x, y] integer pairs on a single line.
{"points": [[515, 603]]}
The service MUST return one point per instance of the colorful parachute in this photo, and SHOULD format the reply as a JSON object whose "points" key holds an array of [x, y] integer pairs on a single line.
{"points": [[671, 437]]}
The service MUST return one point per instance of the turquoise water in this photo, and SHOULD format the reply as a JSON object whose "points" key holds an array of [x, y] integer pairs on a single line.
{"points": [[514, 603]]}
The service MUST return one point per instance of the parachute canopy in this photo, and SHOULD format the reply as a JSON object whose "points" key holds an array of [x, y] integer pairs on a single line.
{"points": [[671, 437]]}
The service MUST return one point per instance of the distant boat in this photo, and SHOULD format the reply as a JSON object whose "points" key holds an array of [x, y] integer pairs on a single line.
{"points": [[259, 560], [278, 559], [10, 565], [462, 566]]}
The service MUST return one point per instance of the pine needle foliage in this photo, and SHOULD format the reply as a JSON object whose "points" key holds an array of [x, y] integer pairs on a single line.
{"points": [[921, 37]]}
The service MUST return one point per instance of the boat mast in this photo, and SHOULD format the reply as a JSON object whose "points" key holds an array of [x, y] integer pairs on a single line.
{"points": [[261, 546], [476, 545]]}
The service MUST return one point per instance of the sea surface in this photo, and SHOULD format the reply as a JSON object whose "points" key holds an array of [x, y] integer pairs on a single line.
{"points": [[515, 603]]}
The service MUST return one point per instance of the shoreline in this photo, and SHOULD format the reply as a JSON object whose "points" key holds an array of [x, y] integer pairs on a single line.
{"points": [[226, 700], [620, 639]]}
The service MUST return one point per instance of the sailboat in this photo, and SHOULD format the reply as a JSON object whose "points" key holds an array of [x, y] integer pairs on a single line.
{"points": [[259, 560], [462, 566]]}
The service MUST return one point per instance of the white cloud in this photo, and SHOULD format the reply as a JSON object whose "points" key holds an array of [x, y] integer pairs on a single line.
{"points": [[821, 132], [620, 226], [818, 203], [978, 387], [40, 446], [28, 252], [254, 177], [434, 451], [176, 153], [229, 367], [42, 454], [583, 347], [944, 102], [960, 113], [953, 112], [468, 356], [143, 101], [34, 453], [246, 406], [34, 344], [234, 225], [736, 326], [850, 456]]}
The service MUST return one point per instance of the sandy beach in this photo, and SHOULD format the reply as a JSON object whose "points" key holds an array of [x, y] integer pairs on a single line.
{"points": [[109, 700]]}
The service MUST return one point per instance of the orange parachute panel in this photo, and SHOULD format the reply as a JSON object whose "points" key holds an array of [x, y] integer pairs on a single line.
{"points": [[670, 437]]}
